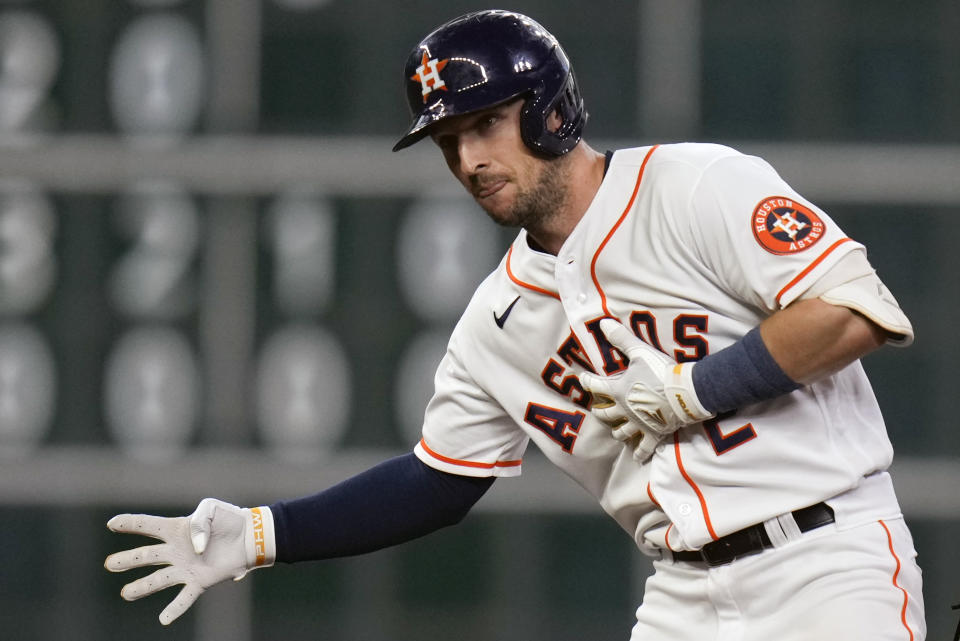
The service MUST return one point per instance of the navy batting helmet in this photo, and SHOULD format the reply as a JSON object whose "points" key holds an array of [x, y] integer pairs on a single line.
{"points": [[484, 58]]}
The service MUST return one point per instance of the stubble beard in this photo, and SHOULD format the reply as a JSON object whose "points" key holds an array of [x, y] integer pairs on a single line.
{"points": [[536, 207]]}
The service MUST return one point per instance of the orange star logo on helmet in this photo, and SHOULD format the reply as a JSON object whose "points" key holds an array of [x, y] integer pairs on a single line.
{"points": [[428, 75]]}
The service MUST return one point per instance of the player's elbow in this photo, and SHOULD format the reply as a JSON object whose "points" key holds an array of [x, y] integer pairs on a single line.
{"points": [[456, 496], [451, 517]]}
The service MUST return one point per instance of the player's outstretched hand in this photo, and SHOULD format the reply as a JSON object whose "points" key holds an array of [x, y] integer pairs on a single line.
{"points": [[653, 398], [218, 541]]}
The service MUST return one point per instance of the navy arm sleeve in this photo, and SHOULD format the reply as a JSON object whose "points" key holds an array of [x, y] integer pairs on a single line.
{"points": [[396, 501]]}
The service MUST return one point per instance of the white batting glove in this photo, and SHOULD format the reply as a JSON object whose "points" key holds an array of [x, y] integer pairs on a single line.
{"points": [[654, 395], [635, 434], [217, 542]]}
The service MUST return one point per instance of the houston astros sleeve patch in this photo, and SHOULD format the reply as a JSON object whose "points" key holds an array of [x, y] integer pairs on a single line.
{"points": [[783, 226]]}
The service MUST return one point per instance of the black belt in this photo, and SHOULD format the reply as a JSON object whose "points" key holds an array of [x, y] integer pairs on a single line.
{"points": [[753, 539]]}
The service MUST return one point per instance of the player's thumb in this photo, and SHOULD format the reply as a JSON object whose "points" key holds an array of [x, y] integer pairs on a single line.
{"points": [[201, 523]]}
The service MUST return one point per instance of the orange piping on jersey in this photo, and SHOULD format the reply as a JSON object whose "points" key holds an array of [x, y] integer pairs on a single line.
{"points": [[524, 284], [666, 536], [896, 573], [633, 196], [809, 267], [686, 477], [650, 494], [453, 461]]}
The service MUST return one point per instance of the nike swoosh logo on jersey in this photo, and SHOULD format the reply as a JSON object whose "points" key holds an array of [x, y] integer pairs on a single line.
{"points": [[502, 318]]}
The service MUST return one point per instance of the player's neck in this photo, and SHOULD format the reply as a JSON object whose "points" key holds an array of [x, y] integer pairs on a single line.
{"points": [[586, 174]]}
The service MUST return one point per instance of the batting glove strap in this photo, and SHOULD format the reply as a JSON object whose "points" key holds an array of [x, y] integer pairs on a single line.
{"points": [[682, 396], [261, 543]]}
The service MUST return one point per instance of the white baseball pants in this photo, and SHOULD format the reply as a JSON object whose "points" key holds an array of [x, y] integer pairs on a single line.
{"points": [[852, 584]]}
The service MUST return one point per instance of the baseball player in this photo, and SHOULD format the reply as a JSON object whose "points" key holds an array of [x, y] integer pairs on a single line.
{"points": [[674, 326]]}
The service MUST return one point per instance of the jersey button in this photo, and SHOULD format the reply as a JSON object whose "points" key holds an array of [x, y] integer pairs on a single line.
{"points": [[685, 509], [581, 298]]}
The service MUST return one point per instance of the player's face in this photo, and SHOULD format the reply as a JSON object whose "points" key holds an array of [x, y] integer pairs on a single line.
{"points": [[485, 152]]}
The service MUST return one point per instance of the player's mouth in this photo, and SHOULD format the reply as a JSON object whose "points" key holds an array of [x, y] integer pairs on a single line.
{"points": [[487, 189]]}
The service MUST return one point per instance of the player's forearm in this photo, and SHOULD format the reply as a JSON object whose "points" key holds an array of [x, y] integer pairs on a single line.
{"points": [[798, 345], [396, 501], [811, 339]]}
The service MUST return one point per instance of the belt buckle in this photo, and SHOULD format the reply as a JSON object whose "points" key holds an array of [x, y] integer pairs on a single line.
{"points": [[718, 553], [734, 546]]}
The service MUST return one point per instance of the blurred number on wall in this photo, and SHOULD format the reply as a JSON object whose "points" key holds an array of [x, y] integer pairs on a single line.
{"points": [[28, 269], [303, 380], [29, 63], [151, 379], [157, 86], [445, 248]]}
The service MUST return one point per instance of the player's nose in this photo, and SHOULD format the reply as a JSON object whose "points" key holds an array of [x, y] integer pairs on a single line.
{"points": [[472, 155]]}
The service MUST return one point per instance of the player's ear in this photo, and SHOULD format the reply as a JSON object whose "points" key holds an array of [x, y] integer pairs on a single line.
{"points": [[554, 121]]}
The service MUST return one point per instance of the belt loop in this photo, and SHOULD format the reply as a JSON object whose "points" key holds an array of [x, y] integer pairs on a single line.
{"points": [[782, 529], [777, 536], [789, 525]]}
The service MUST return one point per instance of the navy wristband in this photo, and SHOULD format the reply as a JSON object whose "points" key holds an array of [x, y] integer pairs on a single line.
{"points": [[396, 501], [741, 374]]}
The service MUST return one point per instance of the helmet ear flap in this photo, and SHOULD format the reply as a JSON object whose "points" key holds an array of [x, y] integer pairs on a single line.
{"points": [[533, 119], [568, 104]]}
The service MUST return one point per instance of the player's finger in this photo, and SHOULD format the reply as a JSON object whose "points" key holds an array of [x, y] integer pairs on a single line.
{"points": [[622, 338], [158, 527], [138, 558], [621, 427], [601, 401], [626, 429], [598, 386], [154, 582], [644, 447], [181, 603], [612, 416]]}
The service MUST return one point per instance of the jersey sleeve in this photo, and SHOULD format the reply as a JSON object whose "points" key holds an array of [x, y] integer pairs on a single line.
{"points": [[465, 431], [764, 241]]}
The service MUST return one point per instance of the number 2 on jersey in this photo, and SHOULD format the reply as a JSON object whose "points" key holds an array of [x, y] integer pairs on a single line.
{"points": [[688, 332], [724, 442]]}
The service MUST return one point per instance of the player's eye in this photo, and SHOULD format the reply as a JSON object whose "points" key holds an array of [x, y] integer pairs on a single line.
{"points": [[489, 121]]}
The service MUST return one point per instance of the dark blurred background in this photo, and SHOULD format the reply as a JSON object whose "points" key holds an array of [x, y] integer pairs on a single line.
{"points": [[216, 280]]}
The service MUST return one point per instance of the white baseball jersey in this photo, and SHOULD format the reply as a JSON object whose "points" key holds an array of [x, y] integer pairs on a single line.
{"points": [[509, 376], [690, 246]]}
